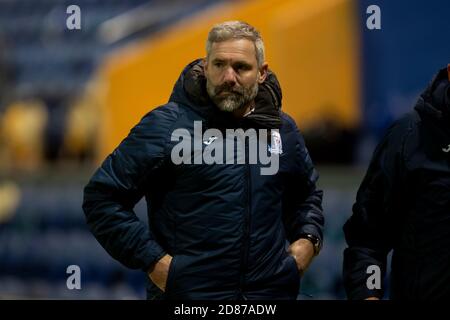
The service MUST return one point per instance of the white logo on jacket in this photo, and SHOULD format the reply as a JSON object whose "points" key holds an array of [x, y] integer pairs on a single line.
{"points": [[275, 147], [210, 140]]}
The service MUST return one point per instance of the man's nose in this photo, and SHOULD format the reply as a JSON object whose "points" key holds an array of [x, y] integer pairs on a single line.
{"points": [[229, 76]]}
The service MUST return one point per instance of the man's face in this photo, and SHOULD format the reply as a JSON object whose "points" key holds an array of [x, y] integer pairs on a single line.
{"points": [[232, 74]]}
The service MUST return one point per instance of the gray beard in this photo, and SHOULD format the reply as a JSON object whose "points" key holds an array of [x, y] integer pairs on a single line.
{"points": [[233, 101]]}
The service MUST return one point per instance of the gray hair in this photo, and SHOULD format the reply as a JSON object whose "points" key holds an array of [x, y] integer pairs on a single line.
{"points": [[236, 30]]}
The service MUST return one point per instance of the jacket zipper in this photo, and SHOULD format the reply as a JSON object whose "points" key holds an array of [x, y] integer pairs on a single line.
{"points": [[245, 237]]}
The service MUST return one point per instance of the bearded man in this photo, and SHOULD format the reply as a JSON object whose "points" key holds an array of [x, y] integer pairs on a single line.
{"points": [[222, 229]]}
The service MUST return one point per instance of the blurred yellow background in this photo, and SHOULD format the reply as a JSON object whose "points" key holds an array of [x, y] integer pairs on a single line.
{"points": [[312, 46]]}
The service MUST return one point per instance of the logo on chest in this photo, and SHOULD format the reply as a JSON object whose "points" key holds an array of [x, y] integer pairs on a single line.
{"points": [[237, 146]]}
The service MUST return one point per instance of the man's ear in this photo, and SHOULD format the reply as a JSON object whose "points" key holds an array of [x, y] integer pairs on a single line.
{"points": [[262, 72], [448, 72], [205, 64]]}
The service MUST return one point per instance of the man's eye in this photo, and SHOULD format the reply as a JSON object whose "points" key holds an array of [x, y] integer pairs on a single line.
{"points": [[218, 64], [242, 67]]}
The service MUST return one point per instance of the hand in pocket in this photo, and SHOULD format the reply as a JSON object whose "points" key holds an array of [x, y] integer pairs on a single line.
{"points": [[160, 271]]}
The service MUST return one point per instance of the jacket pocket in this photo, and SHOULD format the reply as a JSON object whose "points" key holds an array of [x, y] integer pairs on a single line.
{"points": [[294, 267], [294, 275], [171, 274]]}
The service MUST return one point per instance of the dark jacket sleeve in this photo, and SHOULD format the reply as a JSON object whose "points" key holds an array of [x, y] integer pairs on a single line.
{"points": [[370, 231], [302, 201], [115, 188]]}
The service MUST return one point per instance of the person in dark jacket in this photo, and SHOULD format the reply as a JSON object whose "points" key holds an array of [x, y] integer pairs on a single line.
{"points": [[403, 204], [221, 230]]}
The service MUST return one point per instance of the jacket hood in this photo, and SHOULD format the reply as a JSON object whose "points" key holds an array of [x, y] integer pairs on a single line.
{"points": [[190, 90], [434, 102], [433, 107]]}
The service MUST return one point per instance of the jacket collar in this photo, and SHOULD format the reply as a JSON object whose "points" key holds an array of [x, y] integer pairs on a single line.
{"points": [[190, 90]]}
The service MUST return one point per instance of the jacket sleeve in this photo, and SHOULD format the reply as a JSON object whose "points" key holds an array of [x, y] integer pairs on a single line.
{"points": [[115, 188], [370, 231], [302, 203]]}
